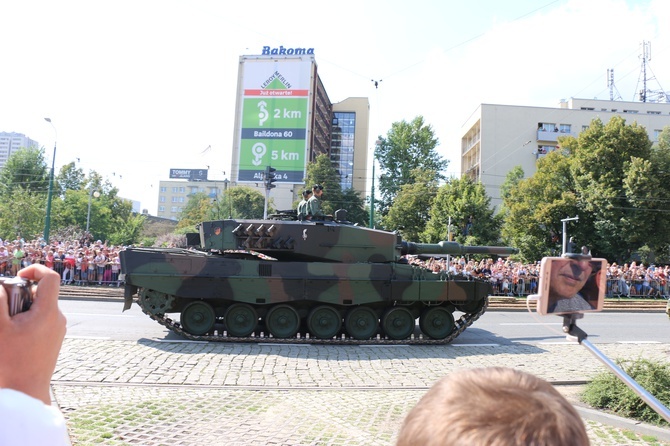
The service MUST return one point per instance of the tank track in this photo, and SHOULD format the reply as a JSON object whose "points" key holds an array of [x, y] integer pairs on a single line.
{"points": [[459, 327]]}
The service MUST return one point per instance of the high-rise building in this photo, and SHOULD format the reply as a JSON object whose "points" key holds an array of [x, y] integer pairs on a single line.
{"points": [[10, 142], [496, 138]]}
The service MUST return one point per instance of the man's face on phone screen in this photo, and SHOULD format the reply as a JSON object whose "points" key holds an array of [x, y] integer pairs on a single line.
{"points": [[569, 276]]}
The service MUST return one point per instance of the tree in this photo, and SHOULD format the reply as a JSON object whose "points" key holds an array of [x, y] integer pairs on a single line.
{"points": [[108, 212], [69, 178], [247, 202], [411, 208], [196, 210], [22, 214], [645, 186], [24, 169], [471, 215], [129, 231], [602, 156], [406, 148], [512, 179], [536, 206], [357, 212]]}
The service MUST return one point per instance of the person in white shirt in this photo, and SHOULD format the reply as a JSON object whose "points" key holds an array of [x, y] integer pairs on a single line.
{"points": [[29, 346]]}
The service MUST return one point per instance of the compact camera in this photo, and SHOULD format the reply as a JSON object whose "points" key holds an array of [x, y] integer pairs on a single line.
{"points": [[19, 294]]}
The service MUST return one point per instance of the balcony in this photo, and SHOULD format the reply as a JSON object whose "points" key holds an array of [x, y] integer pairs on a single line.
{"points": [[550, 136]]}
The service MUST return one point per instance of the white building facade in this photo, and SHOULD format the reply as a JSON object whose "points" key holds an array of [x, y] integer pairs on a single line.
{"points": [[10, 142], [496, 138]]}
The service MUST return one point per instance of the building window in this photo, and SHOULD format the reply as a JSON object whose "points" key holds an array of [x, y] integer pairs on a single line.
{"points": [[630, 111], [547, 127], [657, 134], [194, 189], [181, 199], [565, 128], [173, 209], [182, 189], [161, 208], [174, 199], [163, 189], [174, 190], [161, 199]]}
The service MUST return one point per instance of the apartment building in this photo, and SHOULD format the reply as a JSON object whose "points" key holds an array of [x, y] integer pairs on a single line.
{"points": [[497, 137], [10, 142]]}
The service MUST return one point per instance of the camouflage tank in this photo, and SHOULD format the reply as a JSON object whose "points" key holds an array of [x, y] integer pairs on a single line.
{"points": [[308, 281]]}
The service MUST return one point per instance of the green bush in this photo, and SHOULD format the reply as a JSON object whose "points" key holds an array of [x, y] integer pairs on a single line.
{"points": [[606, 391]]}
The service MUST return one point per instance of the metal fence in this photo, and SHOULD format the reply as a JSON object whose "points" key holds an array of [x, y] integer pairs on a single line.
{"points": [[652, 289], [98, 275]]}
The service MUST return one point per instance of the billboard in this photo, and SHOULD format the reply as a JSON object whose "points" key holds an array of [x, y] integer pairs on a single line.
{"points": [[189, 174], [274, 117]]}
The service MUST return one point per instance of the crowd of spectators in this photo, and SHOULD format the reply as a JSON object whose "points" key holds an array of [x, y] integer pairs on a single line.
{"points": [[82, 262], [511, 278], [78, 262]]}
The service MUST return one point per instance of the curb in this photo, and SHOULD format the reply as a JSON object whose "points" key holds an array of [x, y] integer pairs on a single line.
{"points": [[624, 423]]}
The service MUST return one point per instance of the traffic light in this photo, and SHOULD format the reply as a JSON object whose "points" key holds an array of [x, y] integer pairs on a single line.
{"points": [[270, 177]]}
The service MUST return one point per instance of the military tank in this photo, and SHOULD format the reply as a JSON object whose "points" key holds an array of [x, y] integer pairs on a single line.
{"points": [[312, 281]]}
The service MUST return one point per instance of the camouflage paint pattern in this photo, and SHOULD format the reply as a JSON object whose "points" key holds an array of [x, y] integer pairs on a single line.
{"points": [[304, 264]]}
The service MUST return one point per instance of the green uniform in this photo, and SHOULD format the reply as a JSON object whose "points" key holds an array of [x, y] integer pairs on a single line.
{"points": [[303, 209], [314, 207]]}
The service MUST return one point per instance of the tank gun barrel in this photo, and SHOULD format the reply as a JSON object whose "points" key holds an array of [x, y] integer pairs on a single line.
{"points": [[453, 248]]}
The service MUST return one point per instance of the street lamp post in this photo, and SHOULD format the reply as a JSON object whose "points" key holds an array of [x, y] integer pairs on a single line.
{"points": [[372, 189], [96, 194], [47, 221], [565, 231]]}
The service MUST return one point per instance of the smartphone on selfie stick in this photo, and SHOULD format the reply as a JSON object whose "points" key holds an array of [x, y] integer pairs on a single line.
{"points": [[572, 285]]}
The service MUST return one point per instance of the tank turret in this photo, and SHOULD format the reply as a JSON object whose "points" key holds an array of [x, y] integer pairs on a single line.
{"points": [[325, 241], [307, 281]]}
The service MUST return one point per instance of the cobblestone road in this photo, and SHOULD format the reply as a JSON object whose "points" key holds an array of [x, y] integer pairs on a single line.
{"points": [[185, 393]]}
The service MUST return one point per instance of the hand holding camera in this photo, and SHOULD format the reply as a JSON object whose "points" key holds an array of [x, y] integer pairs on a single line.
{"points": [[30, 340]]}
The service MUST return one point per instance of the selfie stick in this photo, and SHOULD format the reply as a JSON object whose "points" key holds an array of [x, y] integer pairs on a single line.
{"points": [[570, 327]]}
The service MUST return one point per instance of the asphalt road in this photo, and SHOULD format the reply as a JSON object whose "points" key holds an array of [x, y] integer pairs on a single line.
{"points": [[105, 320]]}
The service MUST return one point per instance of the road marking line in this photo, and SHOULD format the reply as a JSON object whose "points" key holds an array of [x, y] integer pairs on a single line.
{"points": [[180, 341], [475, 345], [102, 338], [531, 323], [99, 314]]}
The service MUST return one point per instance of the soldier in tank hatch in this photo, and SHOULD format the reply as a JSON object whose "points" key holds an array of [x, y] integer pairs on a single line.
{"points": [[215, 240], [314, 203], [303, 207]]}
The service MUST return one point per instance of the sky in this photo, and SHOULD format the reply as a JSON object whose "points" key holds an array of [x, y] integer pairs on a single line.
{"points": [[136, 87]]}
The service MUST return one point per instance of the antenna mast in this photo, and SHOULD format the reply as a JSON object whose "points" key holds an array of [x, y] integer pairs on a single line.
{"points": [[646, 55], [646, 94], [611, 86]]}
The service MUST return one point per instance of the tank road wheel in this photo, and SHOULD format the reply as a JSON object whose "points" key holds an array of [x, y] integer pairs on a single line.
{"points": [[324, 322], [361, 323], [241, 320], [155, 302], [436, 322], [197, 318], [398, 323], [282, 321]]}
